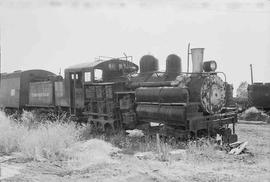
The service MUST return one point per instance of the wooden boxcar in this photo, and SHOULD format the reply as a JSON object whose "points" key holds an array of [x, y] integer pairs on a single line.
{"points": [[14, 88]]}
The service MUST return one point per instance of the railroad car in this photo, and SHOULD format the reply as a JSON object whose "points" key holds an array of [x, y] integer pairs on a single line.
{"points": [[18, 90], [259, 95]]}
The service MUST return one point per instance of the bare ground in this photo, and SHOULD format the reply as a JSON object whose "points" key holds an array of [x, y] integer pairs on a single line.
{"points": [[254, 165]]}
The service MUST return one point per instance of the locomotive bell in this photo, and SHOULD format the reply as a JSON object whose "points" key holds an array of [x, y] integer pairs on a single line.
{"points": [[197, 59]]}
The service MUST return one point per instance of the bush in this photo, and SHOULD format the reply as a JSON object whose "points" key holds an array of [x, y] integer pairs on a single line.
{"points": [[241, 91], [254, 114]]}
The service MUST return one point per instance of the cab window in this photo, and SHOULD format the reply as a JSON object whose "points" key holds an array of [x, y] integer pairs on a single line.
{"points": [[112, 66], [87, 77], [98, 74], [77, 79]]}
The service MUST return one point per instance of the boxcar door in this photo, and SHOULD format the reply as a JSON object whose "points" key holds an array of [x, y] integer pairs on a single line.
{"points": [[76, 92]]}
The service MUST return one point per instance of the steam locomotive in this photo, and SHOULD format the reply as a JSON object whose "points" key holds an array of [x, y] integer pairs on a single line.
{"points": [[110, 94]]}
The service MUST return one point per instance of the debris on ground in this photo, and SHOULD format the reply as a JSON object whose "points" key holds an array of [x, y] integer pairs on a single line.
{"points": [[145, 155], [135, 133], [178, 154], [237, 147]]}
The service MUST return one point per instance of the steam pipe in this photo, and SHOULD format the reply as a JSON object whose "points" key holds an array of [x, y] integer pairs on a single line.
{"points": [[150, 84], [197, 60], [251, 73], [188, 53]]}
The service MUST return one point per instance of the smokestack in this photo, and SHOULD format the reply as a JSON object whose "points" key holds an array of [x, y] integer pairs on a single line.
{"points": [[197, 60]]}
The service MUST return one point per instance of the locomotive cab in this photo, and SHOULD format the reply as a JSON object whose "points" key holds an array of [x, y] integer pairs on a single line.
{"points": [[81, 78]]}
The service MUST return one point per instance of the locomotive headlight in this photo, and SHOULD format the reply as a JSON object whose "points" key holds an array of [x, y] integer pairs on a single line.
{"points": [[209, 66]]}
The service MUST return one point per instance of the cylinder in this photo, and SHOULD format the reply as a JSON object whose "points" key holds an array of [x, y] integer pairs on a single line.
{"points": [[148, 63], [173, 64], [197, 60], [162, 94]]}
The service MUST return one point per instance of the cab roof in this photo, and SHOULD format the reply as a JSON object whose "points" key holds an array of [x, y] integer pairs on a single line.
{"points": [[98, 64]]}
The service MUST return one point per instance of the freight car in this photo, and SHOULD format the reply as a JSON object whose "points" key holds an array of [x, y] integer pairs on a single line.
{"points": [[23, 89], [259, 95], [111, 94]]}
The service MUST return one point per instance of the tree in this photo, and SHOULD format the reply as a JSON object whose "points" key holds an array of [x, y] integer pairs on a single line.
{"points": [[241, 91]]}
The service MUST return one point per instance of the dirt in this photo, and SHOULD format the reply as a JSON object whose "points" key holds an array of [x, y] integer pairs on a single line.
{"points": [[253, 165]]}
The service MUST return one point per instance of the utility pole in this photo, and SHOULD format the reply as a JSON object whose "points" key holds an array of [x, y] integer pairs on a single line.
{"points": [[0, 57]]}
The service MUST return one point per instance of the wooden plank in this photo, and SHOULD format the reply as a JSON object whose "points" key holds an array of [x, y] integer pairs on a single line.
{"points": [[239, 149]]}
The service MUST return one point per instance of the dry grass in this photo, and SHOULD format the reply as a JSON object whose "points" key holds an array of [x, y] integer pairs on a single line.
{"points": [[10, 134], [203, 150], [36, 140], [85, 154], [199, 150], [95, 160], [49, 140]]}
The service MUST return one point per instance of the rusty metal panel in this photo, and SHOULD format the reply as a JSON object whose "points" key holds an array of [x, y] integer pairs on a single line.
{"points": [[90, 92], [79, 98], [10, 92], [125, 102], [109, 91], [100, 92], [129, 117], [109, 106], [41, 93], [60, 96], [101, 107]]}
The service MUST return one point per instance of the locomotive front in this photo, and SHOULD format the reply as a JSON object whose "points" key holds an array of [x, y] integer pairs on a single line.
{"points": [[192, 104]]}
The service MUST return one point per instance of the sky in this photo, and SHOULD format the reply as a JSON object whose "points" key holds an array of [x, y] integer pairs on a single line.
{"points": [[55, 34]]}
